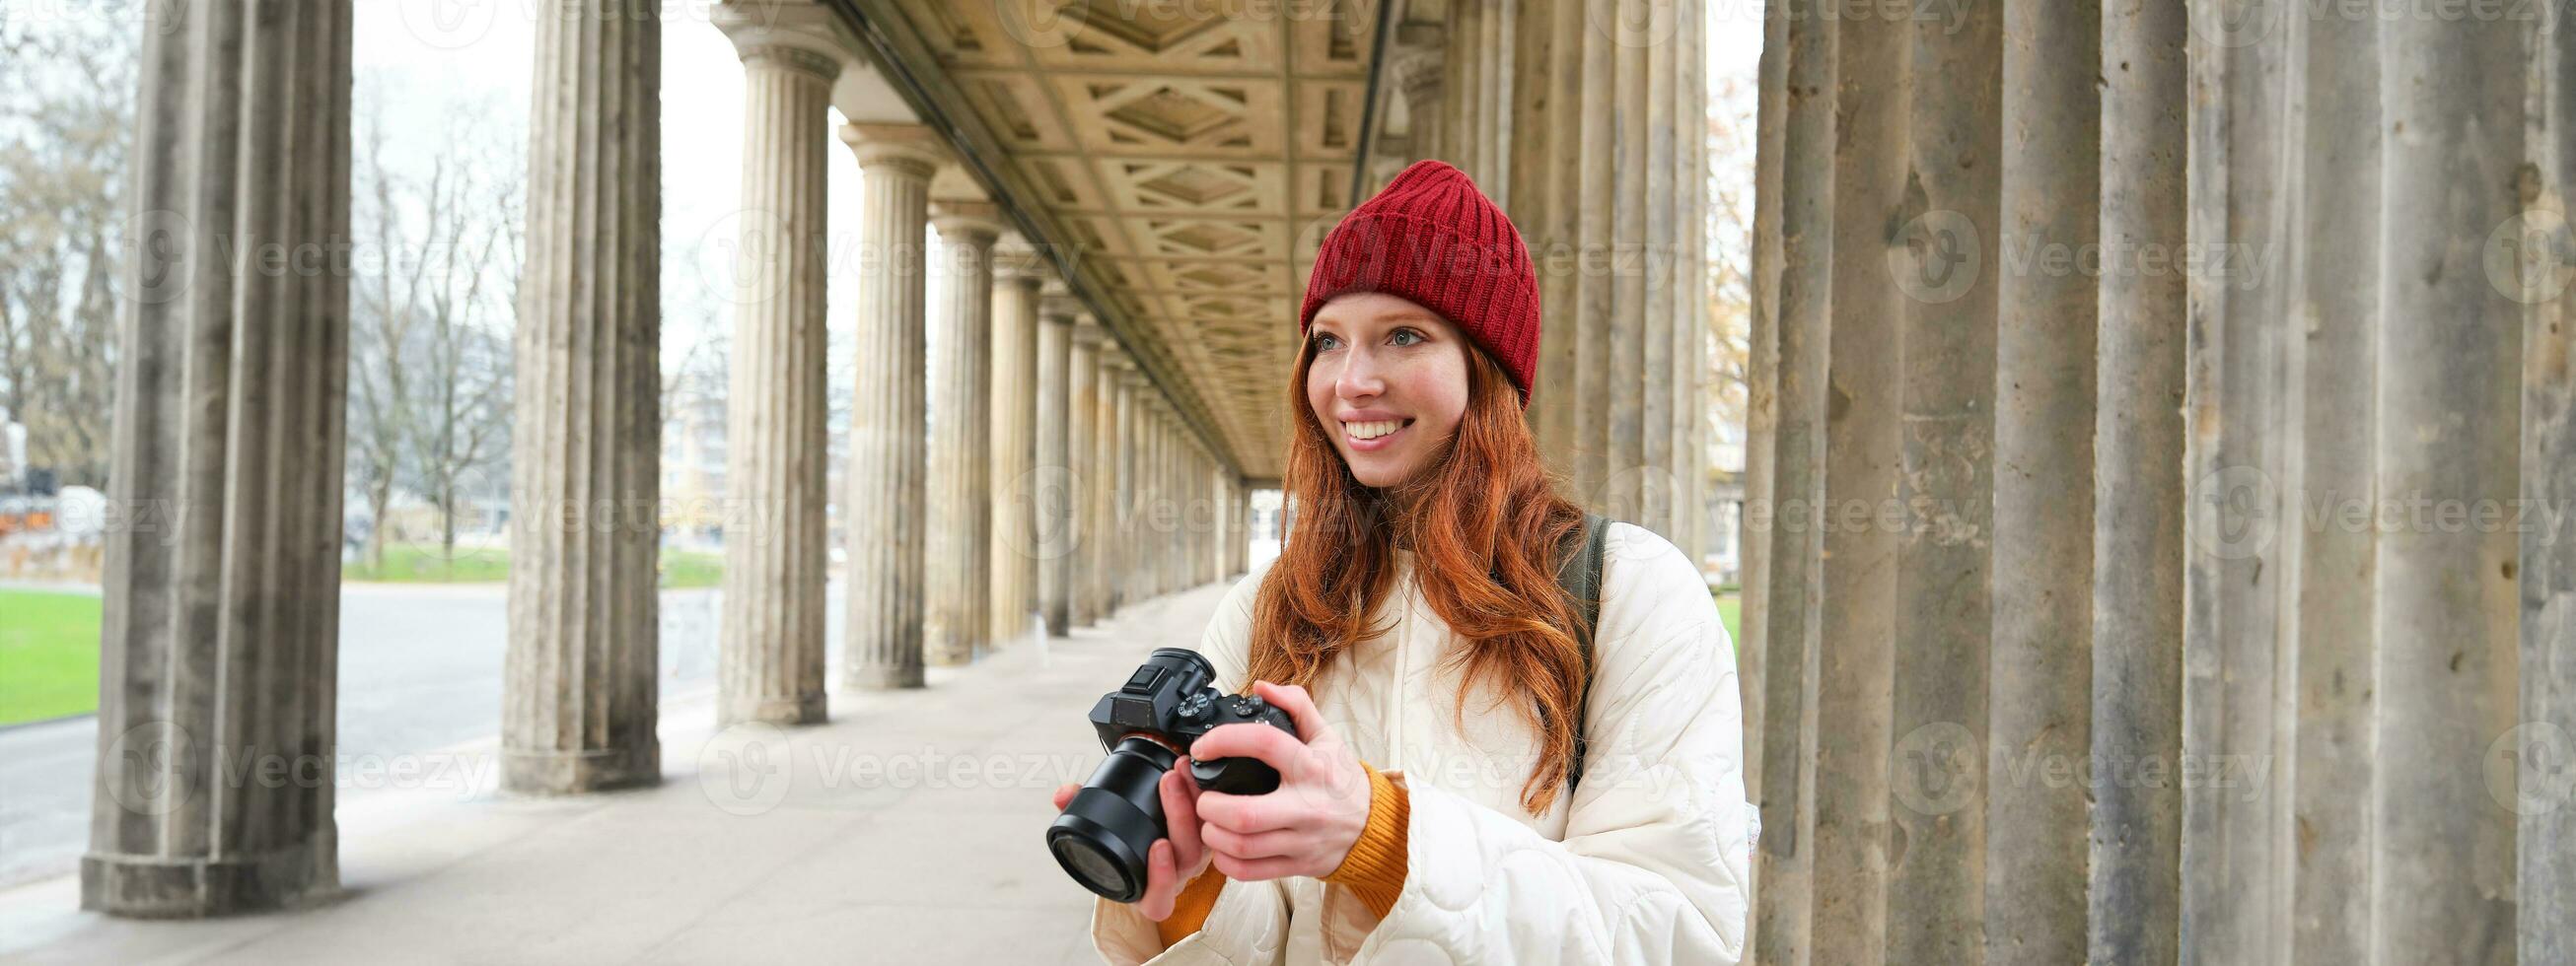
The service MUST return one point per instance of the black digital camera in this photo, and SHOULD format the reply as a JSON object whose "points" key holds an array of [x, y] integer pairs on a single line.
{"points": [[1147, 725]]}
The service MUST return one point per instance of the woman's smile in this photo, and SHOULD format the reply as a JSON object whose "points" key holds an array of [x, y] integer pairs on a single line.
{"points": [[1373, 432]]}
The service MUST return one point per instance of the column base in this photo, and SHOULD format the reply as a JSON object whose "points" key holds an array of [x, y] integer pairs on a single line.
{"points": [[576, 772], [1058, 621], [802, 709], [883, 678], [162, 887], [949, 653]]}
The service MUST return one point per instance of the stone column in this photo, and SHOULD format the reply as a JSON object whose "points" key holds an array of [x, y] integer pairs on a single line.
{"points": [[1477, 81], [1117, 551], [1418, 71], [1053, 539], [1089, 472], [957, 581], [1153, 546], [2192, 512], [1618, 406], [771, 659], [1116, 441], [2134, 851], [222, 621], [884, 494], [1013, 557], [580, 700]]}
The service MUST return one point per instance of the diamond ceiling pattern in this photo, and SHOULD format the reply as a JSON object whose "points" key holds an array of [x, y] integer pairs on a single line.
{"points": [[1197, 150]]}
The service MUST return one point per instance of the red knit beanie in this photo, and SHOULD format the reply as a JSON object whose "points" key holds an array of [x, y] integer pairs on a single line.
{"points": [[1430, 237]]}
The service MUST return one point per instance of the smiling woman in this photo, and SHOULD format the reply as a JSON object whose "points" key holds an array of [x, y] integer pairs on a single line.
{"points": [[1419, 614]]}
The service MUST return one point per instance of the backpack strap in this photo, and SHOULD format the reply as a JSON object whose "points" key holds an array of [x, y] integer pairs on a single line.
{"points": [[1580, 576]]}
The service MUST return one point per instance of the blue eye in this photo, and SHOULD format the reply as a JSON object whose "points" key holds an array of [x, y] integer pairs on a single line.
{"points": [[1326, 343], [1404, 337]]}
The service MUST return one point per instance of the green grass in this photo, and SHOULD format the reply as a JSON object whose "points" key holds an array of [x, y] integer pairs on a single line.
{"points": [[48, 655], [418, 564], [1730, 608]]}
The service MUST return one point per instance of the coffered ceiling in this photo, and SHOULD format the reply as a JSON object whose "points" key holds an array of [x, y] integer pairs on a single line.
{"points": [[1193, 152]]}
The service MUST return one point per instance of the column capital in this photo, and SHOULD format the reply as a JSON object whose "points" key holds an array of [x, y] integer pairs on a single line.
{"points": [[1015, 260], [1418, 69], [964, 220], [794, 34], [911, 150], [1087, 331]]}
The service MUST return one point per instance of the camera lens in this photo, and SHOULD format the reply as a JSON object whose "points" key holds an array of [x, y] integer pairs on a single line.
{"points": [[1106, 830]]}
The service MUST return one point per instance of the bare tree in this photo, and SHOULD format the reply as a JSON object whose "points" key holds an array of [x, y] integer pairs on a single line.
{"points": [[431, 360], [1729, 219], [63, 133]]}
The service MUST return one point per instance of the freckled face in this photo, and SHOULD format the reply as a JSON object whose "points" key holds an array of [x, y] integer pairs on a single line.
{"points": [[1388, 383]]}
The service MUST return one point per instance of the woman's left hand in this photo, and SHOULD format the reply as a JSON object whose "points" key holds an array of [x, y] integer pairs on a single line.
{"points": [[1305, 827]]}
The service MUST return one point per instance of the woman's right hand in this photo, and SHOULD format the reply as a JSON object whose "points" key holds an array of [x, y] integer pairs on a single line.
{"points": [[1175, 859]]}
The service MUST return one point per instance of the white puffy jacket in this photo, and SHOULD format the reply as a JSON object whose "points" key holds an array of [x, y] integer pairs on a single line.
{"points": [[1647, 864]]}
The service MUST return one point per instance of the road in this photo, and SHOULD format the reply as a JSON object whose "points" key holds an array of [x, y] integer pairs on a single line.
{"points": [[420, 670]]}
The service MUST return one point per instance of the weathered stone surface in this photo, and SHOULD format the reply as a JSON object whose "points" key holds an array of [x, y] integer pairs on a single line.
{"points": [[217, 656], [580, 701], [956, 578], [771, 637], [889, 462]]}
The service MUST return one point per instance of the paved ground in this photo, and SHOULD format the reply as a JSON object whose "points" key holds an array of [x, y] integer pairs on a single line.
{"points": [[420, 670], [908, 829]]}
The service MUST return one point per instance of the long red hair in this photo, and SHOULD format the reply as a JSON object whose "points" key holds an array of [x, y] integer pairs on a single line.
{"points": [[1487, 531]]}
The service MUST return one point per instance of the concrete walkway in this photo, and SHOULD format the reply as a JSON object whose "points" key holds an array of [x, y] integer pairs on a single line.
{"points": [[909, 829]]}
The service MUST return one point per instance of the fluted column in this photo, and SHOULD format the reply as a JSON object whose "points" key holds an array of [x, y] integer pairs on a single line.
{"points": [[222, 623], [1477, 79], [1616, 237], [771, 660], [1079, 572], [1418, 71], [2165, 375], [1013, 557], [959, 605], [580, 698], [1152, 546], [1062, 389], [1120, 562], [1116, 436], [884, 493]]}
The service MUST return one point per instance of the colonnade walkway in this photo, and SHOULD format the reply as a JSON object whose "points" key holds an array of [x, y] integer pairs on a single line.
{"points": [[907, 829]]}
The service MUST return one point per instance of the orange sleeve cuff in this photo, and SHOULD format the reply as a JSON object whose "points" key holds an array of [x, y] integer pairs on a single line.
{"points": [[1190, 908], [1375, 868]]}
